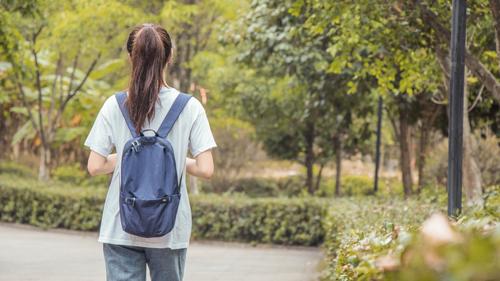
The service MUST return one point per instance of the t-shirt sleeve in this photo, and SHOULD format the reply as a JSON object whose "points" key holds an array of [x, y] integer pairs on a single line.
{"points": [[201, 138], [100, 137]]}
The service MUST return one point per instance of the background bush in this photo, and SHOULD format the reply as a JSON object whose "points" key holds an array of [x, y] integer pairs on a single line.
{"points": [[74, 174], [489, 165], [263, 220], [16, 169], [293, 186]]}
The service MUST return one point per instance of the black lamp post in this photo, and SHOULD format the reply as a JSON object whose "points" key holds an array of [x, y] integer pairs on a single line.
{"points": [[455, 128], [377, 146]]}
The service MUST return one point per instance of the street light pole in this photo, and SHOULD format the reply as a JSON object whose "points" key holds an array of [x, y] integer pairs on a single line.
{"points": [[377, 145], [455, 129]]}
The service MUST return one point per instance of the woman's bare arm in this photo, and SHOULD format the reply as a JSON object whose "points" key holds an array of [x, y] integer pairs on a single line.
{"points": [[201, 166], [100, 165]]}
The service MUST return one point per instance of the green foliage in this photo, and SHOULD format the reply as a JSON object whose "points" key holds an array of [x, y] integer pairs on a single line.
{"points": [[359, 231], [49, 205], [236, 147], [16, 169], [282, 42], [356, 185], [476, 257], [293, 186], [373, 238], [63, 205], [277, 221], [252, 187], [76, 176]]}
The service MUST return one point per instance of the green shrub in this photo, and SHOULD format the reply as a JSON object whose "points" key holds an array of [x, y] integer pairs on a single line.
{"points": [[293, 186], [253, 187], [256, 187], [492, 201], [61, 205], [360, 233], [269, 220], [49, 205], [473, 255], [74, 174], [359, 229], [16, 169], [70, 173], [356, 185]]}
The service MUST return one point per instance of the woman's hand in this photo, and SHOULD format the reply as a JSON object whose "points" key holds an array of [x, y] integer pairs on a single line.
{"points": [[100, 165], [202, 166]]}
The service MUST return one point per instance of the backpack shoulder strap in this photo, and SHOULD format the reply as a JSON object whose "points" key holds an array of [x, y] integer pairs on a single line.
{"points": [[180, 102], [120, 98]]}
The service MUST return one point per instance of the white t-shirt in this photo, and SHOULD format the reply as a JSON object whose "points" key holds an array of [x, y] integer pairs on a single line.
{"points": [[190, 131]]}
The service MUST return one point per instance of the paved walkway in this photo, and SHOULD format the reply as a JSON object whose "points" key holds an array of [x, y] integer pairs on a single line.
{"points": [[29, 253]]}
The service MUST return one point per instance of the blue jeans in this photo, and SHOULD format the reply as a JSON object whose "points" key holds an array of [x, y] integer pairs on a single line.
{"points": [[128, 263]]}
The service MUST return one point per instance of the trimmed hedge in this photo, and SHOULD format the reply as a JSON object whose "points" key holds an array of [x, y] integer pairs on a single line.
{"points": [[268, 220], [49, 205], [58, 205]]}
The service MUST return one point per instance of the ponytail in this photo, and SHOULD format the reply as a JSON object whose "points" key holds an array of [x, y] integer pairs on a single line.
{"points": [[150, 48]]}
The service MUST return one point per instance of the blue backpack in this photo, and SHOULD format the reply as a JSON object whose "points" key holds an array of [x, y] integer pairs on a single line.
{"points": [[149, 189]]}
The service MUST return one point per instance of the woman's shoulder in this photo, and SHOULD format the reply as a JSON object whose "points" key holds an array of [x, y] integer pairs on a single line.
{"points": [[195, 104], [110, 106], [111, 103]]}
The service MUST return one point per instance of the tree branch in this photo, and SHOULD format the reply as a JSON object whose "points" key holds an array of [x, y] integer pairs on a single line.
{"points": [[38, 84], [25, 103], [443, 36], [53, 90], [495, 12], [76, 90], [72, 76], [393, 123], [87, 74], [476, 100]]}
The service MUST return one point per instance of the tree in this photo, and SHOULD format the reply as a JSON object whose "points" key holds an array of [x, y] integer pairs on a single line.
{"points": [[376, 46], [192, 24], [52, 58], [280, 44], [483, 39]]}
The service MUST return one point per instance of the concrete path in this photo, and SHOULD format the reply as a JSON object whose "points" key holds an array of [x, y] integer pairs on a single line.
{"points": [[29, 253]]}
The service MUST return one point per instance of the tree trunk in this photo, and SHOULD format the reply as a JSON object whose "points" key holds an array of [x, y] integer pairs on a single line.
{"points": [[318, 177], [422, 153], [404, 147], [16, 148], [193, 185], [471, 175], [309, 163], [309, 157], [44, 169], [338, 164]]}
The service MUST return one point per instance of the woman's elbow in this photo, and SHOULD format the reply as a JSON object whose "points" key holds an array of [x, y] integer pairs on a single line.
{"points": [[92, 169], [207, 173]]}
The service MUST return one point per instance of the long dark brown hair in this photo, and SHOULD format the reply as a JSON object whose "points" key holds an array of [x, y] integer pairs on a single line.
{"points": [[150, 48]]}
